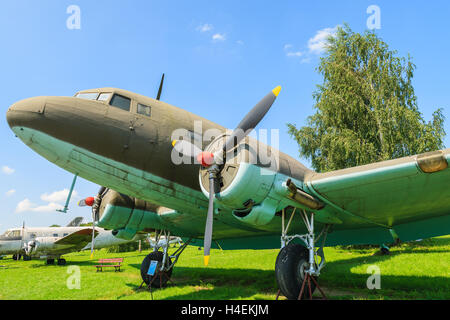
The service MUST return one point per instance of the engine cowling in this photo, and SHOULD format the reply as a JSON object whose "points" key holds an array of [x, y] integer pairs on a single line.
{"points": [[127, 215], [246, 180], [40, 245]]}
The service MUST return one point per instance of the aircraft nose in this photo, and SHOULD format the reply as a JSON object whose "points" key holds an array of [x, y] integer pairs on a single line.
{"points": [[20, 113]]}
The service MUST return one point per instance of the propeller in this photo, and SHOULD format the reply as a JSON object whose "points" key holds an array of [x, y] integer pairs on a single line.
{"points": [[93, 202], [211, 161]]}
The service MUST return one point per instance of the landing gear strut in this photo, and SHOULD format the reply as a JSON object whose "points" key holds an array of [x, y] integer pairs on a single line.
{"points": [[164, 262], [16, 256], [298, 267], [61, 262]]}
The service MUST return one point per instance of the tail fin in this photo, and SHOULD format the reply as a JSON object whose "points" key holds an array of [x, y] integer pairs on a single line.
{"points": [[75, 222]]}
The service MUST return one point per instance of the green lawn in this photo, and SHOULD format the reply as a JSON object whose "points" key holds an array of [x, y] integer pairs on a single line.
{"points": [[417, 270]]}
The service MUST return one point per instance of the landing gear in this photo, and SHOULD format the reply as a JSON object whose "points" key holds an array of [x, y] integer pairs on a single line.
{"points": [[384, 250], [26, 258], [160, 276], [16, 256], [298, 267], [50, 261], [61, 262], [158, 279]]}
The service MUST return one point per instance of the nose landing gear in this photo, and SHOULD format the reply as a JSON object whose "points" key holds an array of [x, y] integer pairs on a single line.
{"points": [[160, 274]]}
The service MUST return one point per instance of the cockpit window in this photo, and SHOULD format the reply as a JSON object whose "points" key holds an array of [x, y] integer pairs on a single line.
{"points": [[11, 234], [87, 95], [121, 102], [104, 96]]}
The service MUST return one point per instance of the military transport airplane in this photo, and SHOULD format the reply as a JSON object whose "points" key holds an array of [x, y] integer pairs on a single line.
{"points": [[50, 243], [125, 142]]}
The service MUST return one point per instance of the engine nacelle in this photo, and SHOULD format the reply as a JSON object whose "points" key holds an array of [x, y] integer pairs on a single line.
{"points": [[40, 245], [246, 182], [124, 234], [126, 215]]}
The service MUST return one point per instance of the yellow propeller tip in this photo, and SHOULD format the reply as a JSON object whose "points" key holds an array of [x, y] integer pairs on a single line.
{"points": [[206, 260], [276, 91], [174, 142]]}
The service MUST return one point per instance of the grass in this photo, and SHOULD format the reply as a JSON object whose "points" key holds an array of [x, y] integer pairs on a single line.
{"points": [[416, 270]]}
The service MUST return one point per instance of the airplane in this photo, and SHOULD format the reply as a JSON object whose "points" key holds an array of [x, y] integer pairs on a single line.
{"points": [[50, 243], [160, 243], [158, 172]]}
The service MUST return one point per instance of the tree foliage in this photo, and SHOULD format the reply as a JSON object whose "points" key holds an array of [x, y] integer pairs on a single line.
{"points": [[366, 109]]}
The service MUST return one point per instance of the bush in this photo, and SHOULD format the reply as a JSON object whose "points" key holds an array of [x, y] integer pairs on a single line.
{"points": [[128, 247]]}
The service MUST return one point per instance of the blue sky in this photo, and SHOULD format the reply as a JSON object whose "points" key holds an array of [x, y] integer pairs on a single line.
{"points": [[220, 58]]}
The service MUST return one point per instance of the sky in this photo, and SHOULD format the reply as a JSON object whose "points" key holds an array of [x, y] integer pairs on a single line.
{"points": [[219, 57]]}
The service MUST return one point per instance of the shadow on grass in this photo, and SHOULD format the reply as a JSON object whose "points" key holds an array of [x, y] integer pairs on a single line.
{"points": [[221, 283]]}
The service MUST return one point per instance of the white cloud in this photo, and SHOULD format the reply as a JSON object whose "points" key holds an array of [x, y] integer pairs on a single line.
{"points": [[317, 44], [240, 42], [294, 54], [7, 170], [26, 206], [54, 202], [219, 37], [57, 196], [205, 27], [10, 193]]}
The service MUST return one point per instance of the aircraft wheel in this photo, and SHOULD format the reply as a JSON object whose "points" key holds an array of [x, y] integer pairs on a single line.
{"points": [[290, 266], [157, 282], [61, 262], [50, 261], [26, 258], [15, 257]]}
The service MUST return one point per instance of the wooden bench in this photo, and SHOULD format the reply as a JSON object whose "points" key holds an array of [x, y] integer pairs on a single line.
{"points": [[109, 263]]}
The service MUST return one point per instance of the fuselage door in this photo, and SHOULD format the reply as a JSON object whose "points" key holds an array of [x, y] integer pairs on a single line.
{"points": [[120, 121]]}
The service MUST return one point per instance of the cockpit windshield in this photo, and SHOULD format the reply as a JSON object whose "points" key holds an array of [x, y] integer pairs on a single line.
{"points": [[87, 95], [11, 234], [104, 96]]}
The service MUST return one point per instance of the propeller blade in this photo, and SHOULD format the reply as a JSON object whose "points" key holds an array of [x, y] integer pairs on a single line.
{"points": [[251, 120], [92, 240], [88, 202], [186, 148], [209, 223]]}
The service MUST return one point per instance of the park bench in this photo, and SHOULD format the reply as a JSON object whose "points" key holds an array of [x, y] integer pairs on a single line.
{"points": [[109, 263]]}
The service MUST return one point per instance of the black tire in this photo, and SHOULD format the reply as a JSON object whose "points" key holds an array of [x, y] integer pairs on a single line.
{"points": [[156, 256], [289, 271], [61, 262], [15, 256], [50, 261], [26, 258]]}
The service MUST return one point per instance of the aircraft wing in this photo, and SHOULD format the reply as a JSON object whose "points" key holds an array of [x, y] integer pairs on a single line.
{"points": [[408, 195], [79, 238]]}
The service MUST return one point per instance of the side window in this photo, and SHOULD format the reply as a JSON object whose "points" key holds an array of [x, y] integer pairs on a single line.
{"points": [[121, 102], [55, 235], [65, 234], [143, 109]]}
